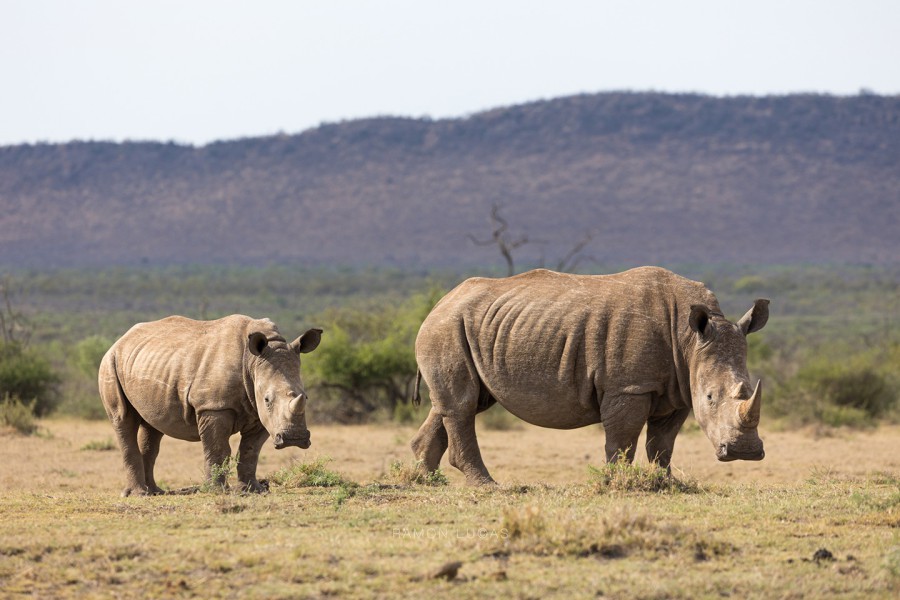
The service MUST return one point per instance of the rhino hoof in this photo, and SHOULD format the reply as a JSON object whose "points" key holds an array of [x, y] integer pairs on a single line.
{"points": [[256, 487], [481, 481]]}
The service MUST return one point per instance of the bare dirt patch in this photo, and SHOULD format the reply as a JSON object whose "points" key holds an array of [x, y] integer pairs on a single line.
{"points": [[348, 527], [61, 458]]}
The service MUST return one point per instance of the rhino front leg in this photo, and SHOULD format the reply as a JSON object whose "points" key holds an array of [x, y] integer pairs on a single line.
{"points": [[215, 429], [661, 434], [465, 454], [148, 442], [430, 443], [248, 457], [623, 418]]}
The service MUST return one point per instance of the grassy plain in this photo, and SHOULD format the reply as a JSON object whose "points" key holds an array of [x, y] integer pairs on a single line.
{"points": [[740, 530], [747, 530]]}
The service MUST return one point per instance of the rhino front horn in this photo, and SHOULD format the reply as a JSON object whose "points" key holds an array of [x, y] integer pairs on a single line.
{"points": [[749, 409], [296, 402]]}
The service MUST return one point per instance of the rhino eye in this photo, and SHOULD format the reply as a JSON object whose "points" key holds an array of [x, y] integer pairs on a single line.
{"points": [[268, 402], [708, 398]]}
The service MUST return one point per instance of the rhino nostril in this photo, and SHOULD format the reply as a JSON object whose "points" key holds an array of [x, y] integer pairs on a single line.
{"points": [[279, 439]]}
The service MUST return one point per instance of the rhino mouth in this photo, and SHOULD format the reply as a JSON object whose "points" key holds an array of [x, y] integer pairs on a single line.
{"points": [[726, 454], [283, 441]]}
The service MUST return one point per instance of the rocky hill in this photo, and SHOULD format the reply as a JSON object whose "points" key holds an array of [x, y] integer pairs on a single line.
{"points": [[653, 178]]}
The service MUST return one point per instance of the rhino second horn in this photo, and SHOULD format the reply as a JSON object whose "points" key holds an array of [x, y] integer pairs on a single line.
{"points": [[749, 409]]}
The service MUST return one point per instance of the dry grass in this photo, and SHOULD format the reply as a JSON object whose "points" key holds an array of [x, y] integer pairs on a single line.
{"points": [[412, 472], [348, 527]]}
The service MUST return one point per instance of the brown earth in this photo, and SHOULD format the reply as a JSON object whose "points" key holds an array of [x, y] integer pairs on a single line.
{"points": [[56, 459]]}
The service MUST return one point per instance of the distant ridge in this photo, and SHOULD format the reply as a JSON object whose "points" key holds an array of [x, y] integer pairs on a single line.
{"points": [[656, 178]]}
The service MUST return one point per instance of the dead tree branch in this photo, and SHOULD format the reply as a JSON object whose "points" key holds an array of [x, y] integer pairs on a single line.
{"points": [[574, 256], [12, 322], [505, 244]]}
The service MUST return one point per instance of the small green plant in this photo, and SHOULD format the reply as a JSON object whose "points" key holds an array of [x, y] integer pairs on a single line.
{"points": [[308, 474], [17, 414], [622, 476], [344, 492], [415, 473], [892, 563], [100, 445], [219, 475]]}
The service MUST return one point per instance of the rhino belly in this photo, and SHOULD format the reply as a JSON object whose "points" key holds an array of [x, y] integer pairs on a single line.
{"points": [[162, 408], [556, 407]]}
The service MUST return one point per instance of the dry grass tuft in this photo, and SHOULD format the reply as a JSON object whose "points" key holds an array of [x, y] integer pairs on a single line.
{"points": [[100, 445], [415, 474], [308, 474], [622, 476], [621, 533]]}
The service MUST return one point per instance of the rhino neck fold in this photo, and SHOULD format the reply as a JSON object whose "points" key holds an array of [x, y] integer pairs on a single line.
{"points": [[681, 340], [247, 378]]}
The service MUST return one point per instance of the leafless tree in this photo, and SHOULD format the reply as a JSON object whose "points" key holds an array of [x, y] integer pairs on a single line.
{"points": [[504, 242], [12, 322], [574, 256]]}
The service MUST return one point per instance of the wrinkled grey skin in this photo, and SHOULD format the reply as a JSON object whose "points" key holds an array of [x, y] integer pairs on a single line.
{"points": [[565, 351], [204, 381]]}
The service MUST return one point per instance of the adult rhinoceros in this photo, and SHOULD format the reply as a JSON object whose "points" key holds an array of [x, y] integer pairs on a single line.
{"points": [[565, 351], [204, 381]]}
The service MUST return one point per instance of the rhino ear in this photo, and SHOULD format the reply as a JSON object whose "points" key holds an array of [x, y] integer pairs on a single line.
{"points": [[307, 342], [756, 317], [257, 342], [699, 320]]}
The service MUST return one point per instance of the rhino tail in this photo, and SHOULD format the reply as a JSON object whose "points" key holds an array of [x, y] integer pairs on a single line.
{"points": [[111, 393], [416, 398]]}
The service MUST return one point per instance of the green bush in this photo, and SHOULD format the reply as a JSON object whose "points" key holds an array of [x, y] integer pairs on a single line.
{"points": [[17, 414], [862, 389], [27, 375], [366, 363], [80, 397], [853, 392], [87, 354]]}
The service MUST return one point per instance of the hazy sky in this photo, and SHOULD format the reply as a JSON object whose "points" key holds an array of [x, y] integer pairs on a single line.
{"points": [[197, 70]]}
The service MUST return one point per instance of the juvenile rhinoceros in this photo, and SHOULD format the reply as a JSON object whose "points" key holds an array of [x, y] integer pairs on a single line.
{"points": [[565, 351], [204, 381]]}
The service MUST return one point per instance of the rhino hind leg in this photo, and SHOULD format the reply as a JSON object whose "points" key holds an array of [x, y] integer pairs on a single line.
{"points": [[148, 442], [430, 443], [465, 454], [127, 433], [125, 421]]}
